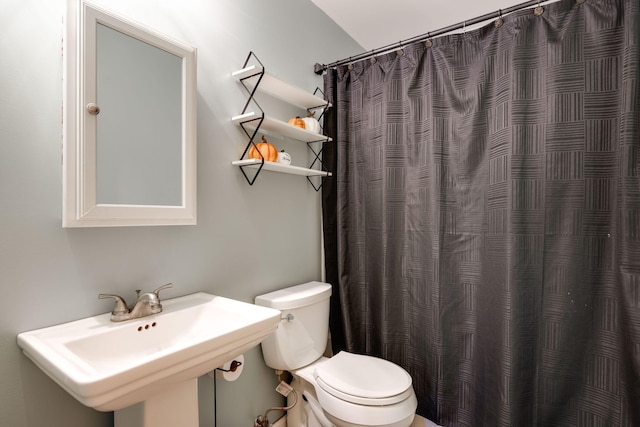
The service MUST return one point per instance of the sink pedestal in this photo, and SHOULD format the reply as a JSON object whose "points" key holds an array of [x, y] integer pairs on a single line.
{"points": [[176, 405]]}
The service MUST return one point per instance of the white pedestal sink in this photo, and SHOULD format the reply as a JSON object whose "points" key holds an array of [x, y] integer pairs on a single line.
{"points": [[146, 369]]}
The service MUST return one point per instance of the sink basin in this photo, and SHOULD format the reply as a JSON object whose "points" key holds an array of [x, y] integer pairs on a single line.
{"points": [[110, 366]]}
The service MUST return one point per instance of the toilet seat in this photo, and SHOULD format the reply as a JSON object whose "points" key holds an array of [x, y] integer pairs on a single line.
{"points": [[363, 380], [384, 401]]}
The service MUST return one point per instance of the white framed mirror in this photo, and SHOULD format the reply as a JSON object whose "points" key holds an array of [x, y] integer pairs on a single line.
{"points": [[129, 138]]}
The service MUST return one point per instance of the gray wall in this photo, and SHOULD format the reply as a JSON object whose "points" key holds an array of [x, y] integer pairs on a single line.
{"points": [[248, 240]]}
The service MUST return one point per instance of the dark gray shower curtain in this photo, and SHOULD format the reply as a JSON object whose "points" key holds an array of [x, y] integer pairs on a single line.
{"points": [[482, 228]]}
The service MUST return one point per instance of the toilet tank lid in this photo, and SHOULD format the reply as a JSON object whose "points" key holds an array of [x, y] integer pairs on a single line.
{"points": [[295, 296]]}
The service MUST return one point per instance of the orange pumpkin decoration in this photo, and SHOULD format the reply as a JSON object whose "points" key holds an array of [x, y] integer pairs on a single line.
{"points": [[297, 122], [264, 150]]}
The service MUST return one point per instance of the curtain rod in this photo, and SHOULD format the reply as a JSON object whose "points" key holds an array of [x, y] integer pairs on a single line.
{"points": [[320, 68]]}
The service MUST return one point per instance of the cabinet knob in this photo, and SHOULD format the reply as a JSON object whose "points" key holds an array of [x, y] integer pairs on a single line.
{"points": [[93, 109]]}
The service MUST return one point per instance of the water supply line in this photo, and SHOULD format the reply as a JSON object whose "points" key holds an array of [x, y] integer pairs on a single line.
{"points": [[263, 420], [284, 389]]}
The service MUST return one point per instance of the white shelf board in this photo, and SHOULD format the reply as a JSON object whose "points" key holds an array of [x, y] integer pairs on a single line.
{"points": [[278, 127], [279, 89], [279, 167]]}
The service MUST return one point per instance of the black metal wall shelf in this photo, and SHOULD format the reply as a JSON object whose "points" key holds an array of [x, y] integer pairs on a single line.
{"points": [[254, 78]]}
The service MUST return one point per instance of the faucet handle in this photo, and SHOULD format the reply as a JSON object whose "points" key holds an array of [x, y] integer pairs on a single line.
{"points": [[167, 286], [121, 305]]}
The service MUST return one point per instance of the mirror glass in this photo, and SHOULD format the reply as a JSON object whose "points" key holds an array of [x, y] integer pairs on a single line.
{"points": [[139, 94], [129, 156]]}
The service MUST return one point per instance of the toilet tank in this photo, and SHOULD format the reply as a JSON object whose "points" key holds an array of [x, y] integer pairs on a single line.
{"points": [[302, 334]]}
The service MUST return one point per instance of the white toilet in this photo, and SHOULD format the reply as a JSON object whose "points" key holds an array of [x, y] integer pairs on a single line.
{"points": [[346, 390]]}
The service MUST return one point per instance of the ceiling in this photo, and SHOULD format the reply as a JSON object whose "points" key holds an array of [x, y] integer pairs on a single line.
{"points": [[378, 23]]}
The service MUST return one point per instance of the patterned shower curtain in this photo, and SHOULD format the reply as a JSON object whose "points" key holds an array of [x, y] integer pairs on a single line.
{"points": [[482, 228]]}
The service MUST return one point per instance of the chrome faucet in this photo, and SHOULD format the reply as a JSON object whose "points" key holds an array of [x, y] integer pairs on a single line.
{"points": [[146, 305]]}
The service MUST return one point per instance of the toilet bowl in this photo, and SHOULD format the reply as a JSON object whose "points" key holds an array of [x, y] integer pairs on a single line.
{"points": [[346, 390]]}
